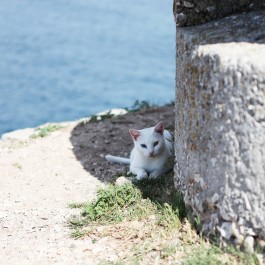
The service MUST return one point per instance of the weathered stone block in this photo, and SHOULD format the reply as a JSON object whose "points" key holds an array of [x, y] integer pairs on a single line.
{"points": [[194, 12], [220, 123]]}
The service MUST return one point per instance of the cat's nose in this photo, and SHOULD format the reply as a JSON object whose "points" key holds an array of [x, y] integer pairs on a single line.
{"points": [[151, 153]]}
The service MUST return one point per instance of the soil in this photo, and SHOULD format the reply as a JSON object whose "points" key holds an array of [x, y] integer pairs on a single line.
{"points": [[93, 140], [40, 177]]}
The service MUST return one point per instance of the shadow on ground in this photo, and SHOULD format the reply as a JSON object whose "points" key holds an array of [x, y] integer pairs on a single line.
{"points": [[93, 140]]}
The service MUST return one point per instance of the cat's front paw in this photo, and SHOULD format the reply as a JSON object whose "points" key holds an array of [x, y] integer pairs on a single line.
{"points": [[141, 176], [154, 175]]}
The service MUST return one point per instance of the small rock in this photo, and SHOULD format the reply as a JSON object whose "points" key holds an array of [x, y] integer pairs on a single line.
{"points": [[72, 245], [225, 230], [261, 243], [250, 232], [180, 19], [114, 112], [121, 181], [211, 9], [215, 198], [188, 4], [178, 3], [235, 231], [249, 244]]}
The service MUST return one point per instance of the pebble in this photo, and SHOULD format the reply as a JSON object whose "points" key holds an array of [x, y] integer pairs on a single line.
{"points": [[249, 244], [122, 180], [188, 4]]}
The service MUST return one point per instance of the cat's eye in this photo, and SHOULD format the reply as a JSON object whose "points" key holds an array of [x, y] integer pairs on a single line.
{"points": [[156, 143], [144, 145]]}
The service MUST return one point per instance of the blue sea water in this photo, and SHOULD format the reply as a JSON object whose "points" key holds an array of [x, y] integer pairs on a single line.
{"points": [[65, 59]]}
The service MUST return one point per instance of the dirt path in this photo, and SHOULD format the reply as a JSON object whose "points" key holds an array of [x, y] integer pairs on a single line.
{"points": [[40, 177]]}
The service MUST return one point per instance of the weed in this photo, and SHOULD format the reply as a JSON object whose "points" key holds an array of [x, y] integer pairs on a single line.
{"points": [[149, 223], [212, 255], [144, 105], [169, 217], [178, 203], [76, 205], [197, 223], [17, 165], [171, 103], [168, 251], [76, 222], [77, 233], [101, 117], [204, 255], [141, 105], [116, 203], [241, 258], [45, 131]]}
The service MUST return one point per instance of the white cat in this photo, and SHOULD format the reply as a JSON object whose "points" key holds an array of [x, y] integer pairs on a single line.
{"points": [[152, 149]]}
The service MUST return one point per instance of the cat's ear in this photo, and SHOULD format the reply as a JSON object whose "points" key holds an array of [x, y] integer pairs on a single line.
{"points": [[135, 134], [159, 128]]}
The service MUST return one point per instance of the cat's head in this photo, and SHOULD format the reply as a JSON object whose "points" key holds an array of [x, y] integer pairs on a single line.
{"points": [[149, 141]]}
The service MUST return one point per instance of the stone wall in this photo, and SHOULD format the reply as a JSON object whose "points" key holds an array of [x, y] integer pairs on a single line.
{"points": [[194, 12], [220, 124]]}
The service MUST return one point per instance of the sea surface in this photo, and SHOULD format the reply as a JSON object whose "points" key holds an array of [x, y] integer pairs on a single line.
{"points": [[66, 59]]}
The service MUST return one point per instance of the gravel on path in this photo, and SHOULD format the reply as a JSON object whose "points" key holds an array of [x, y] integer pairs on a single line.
{"points": [[38, 179]]}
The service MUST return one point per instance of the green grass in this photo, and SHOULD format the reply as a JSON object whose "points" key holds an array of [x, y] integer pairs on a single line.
{"points": [[117, 203], [241, 258], [45, 131], [204, 255], [207, 254], [169, 217], [102, 117], [77, 233], [162, 192], [135, 201], [115, 207], [150, 222]]}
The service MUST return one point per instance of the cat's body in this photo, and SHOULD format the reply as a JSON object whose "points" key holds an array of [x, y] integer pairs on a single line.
{"points": [[152, 149]]}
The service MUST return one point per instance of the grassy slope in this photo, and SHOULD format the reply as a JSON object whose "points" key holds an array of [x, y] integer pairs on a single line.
{"points": [[150, 219]]}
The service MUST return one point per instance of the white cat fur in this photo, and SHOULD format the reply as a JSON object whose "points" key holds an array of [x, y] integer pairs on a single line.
{"points": [[152, 148]]}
